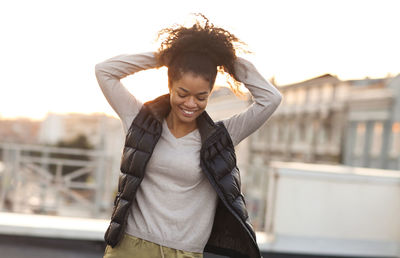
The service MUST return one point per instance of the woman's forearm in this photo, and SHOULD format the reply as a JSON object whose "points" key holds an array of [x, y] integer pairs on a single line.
{"points": [[266, 100], [123, 65]]}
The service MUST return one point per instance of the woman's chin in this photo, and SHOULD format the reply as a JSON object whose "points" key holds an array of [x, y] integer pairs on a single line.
{"points": [[185, 119]]}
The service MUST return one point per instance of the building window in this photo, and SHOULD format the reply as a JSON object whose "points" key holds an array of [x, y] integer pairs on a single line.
{"points": [[301, 96], [274, 132], [395, 143], [360, 139], [377, 134], [327, 130], [265, 133], [302, 132], [290, 97], [314, 94], [278, 131], [316, 125], [341, 92], [327, 92]]}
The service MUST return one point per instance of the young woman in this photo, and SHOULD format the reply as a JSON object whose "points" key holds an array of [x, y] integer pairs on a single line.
{"points": [[179, 190]]}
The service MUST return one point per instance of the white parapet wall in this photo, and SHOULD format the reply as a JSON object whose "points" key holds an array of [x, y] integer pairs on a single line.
{"points": [[55, 227], [332, 210]]}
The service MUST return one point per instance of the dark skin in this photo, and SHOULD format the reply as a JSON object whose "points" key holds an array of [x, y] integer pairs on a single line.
{"points": [[188, 98]]}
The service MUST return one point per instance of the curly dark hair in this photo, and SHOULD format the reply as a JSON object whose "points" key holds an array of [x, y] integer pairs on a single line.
{"points": [[202, 49]]}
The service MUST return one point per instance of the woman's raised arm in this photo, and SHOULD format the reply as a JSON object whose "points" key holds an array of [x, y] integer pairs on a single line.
{"points": [[265, 96], [111, 71]]}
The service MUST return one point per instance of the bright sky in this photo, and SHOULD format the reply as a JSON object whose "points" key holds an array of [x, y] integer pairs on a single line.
{"points": [[48, 49]]}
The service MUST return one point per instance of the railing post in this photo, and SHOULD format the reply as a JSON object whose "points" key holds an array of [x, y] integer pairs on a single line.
{"points": [[270, 200], [58, 180], [17, 179], [44, 186], [99, 180], [4, 176]]}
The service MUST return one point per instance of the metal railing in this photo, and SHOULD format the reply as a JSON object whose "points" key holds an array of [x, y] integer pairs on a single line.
{"points": [[53, 180]]}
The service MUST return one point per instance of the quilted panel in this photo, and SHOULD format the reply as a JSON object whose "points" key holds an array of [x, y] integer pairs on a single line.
{"points": [[240, 207], [138, 163], [133, 137], [146, 122], [155, 127], [120, 211], [146, 143], [219, 167], [126, 157], [211, 152], [112, 233], [236, 176], [230, 187], [229, 159], [121, 182], [132, 183], [224, 140], [248, 225]]}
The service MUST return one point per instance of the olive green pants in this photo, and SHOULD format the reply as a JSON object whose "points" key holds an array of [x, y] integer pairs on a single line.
{"points": [[133, 247]]}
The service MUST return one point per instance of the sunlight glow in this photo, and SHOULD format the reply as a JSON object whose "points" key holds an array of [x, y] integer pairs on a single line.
{"points": [[49, 48]]}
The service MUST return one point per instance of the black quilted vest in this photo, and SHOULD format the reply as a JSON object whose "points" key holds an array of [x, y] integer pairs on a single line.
{"points": [[232, 234]]}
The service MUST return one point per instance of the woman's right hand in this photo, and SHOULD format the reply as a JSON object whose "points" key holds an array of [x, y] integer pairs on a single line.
{"points": [[243, 67]]}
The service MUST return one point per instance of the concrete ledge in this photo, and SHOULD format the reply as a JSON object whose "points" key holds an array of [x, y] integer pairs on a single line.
{"points": [[328, 246], [52, 226], [337, 172]]}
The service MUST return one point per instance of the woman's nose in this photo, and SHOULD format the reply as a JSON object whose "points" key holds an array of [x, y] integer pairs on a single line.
{"points": [[190, 102]]}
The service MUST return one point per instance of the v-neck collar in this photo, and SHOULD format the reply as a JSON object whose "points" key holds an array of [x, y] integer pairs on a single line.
{"points": [[165, 125]]}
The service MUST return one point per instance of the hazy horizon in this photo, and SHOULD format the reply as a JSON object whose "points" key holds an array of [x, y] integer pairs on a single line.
{"points": [[50, 48]]}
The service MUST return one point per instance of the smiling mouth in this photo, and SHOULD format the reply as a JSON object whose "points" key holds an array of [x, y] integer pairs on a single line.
{"points": [[187, 112]]}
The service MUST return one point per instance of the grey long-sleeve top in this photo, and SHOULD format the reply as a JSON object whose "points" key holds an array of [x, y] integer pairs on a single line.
{"points": [[175, 204]]}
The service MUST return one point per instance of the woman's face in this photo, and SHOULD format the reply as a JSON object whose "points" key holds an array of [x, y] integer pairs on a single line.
{"points": [[188, 97]]}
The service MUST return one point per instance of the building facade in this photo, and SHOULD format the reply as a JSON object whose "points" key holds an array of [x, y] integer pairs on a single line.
{"points": [[373, 132], [330, 121], [307, 127], [322, 120]]}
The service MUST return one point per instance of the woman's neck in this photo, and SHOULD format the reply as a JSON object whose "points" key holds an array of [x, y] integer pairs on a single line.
{"points": [[179, 129]]}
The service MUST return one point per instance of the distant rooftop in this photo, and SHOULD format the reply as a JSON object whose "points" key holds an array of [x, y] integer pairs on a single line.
{"points": [[366, 82], [315, 80]]}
